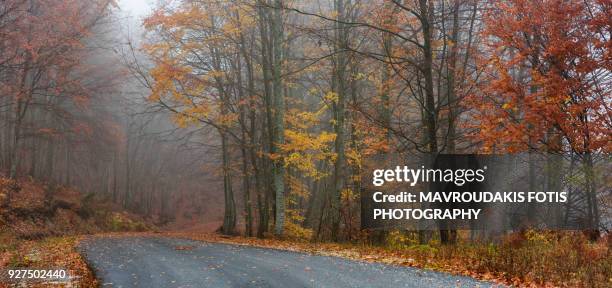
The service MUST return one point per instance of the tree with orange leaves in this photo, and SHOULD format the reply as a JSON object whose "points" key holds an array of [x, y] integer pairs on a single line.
{"points": [[549, 82]]}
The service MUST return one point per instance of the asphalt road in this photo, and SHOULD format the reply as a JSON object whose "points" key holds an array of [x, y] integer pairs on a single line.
{"points": [[166, 262]]}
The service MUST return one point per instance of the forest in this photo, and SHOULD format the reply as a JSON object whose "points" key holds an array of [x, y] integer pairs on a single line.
{"points": [[263, 118], [303, 96]]}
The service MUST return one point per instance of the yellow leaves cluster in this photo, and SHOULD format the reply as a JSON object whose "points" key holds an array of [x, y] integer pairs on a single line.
{"points": [[313, 91], [182, 121], [302, 120], [165, 76], [353, 157], [296, 231], [188, 29], [331, 97], [304, 150], [294, 215], [359, 76], [303, 147], [297, 141], [348, 195], [198, 111]]}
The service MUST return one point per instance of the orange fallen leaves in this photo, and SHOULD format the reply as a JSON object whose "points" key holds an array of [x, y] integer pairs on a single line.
{"points": [[50, 253]]}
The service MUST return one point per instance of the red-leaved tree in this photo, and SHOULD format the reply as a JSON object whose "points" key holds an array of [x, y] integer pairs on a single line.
{"points": [[548, 82]]}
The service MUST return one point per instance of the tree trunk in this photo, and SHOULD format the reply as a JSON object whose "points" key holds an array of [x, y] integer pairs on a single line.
{"points": [[429, 111], [278, 172], [450, 236], [339, 88], [229, 219]]}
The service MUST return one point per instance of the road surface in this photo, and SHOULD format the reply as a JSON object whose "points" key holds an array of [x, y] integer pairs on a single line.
{"points": [[167, 262]]}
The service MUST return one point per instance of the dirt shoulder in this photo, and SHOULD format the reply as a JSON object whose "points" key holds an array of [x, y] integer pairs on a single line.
{"points": [[48, 253], [41, 224]]}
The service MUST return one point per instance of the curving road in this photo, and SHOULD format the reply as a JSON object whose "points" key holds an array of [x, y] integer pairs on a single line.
{"points": [[167, 262]]}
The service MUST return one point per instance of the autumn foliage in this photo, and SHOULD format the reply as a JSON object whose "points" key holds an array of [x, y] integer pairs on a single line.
{"points": [[265, 117], [547, 70]]}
